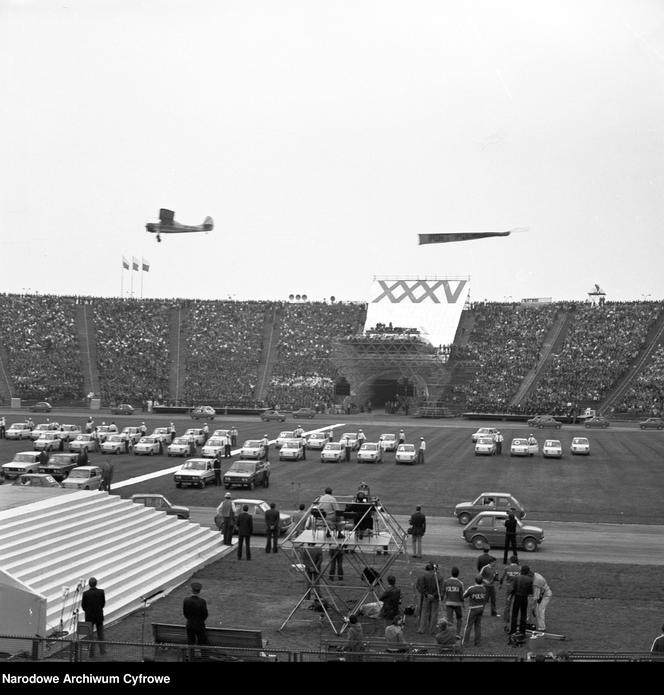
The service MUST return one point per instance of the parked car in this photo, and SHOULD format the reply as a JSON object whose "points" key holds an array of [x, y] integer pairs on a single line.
{"points": [[36, 480], [257, 509], [370, 452], [350, 437], [194, 472], [162, 433], [652, 423], [268, 415], [23, 462], [247, 474], [42, 427], [161, 504], [122, 409], [388, 441], [103, 432], [115, 444], [18, 430], [41, 407], [485, 446], [484, 432], [212, 447], [253, 449], [580, 445], [552, 449], [147, 446], [60, 465], [221, 433], [47, 441], [83, 478], [597, 421], [521, 447], [180, 446], [291, 450], [303, 413], [406, 453], [317, 440], [283, 436], [197, 433], [69, 432], [332, 452], [132, 433], [489, 527], [84, 441], [489, 501], [541, 421], [203, 412]]}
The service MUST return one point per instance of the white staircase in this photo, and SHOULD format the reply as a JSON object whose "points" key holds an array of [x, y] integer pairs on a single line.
{"points": [[53, 544]]}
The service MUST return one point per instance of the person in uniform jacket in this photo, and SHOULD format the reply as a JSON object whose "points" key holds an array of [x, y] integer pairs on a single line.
{"points": [[216, 466], [245, 527], [418, 527], [499, 439], [194, 609], [476, 595], [225, 519], [234, 435], [522, 588], [272, 519], [512, 570], [485, 558], [453, 599], [92, 605]]}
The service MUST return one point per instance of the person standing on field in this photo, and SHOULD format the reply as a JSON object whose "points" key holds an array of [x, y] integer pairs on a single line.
{"points": [[418, 527]]}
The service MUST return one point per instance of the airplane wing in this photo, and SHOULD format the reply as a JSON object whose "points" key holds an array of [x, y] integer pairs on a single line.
{"points": [[446, 237]]}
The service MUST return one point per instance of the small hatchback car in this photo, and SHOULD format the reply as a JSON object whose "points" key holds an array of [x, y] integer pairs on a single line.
{"points": [[580, 445], [489, 527]]}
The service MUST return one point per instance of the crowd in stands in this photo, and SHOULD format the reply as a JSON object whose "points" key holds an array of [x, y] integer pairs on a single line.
{"points": [[303, 373], [645, 395], [601, 344], [38, 336], [132, 349], [223, 348]]}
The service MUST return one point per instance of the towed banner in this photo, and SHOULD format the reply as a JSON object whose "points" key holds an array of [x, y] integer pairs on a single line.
{"points": [[431, 306]]}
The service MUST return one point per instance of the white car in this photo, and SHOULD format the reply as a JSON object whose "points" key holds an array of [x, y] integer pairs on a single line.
{"points": [[552, 449], [283, 436], [406, 453], [332, 452], [349, 437], [115, 444], [580, 445], [47, 441], [180, 446], [221, 433], [317, 440], [43, 427], [162, 433], [484, 432], [103, 431], [146, 445], [133, 433], [521, 447], [370, 452], [84, 441], [253, 449], [291, 450], [197, 433], [84, 478], [388, 441], [194, 472], [485, 446], [69, 432], [23, 462], [212, 447], [18, 430]]}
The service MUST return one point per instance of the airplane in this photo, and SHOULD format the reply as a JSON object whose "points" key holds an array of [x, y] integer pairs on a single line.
{"points": [[446, 237], [168, 225]]}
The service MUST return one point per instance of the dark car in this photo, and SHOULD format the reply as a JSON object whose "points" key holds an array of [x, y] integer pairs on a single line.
{"points": [[269, 415], [41, 407], [597, 421], [257, 509], [122, 409], [161, 504], [203, 412], [489, 501], [247, 474], [652, 423], [36, 480], [304, 413], [541, 421], [489, 528], [60, 465]]}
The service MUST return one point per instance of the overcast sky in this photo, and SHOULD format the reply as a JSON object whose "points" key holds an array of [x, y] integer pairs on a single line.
{"points": [[323, 136]]}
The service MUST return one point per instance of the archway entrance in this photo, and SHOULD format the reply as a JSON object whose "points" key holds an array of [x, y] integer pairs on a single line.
{"points": [[383, 390]]}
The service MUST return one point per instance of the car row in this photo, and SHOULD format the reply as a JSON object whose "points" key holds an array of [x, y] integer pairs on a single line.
{"points": [[247, 474]]}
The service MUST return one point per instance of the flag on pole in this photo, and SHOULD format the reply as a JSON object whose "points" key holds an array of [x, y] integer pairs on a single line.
{"points": [[146, 265], [134, 263], [125, 263]]}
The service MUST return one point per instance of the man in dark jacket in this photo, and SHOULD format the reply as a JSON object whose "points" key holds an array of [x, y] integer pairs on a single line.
{"points": [[92, 604], [43, 457], [245, 527], [485, 558], [391, 599], [216, 467], [510, 535], [272, 528], [418, 527], [522, 588], [194, 609]]}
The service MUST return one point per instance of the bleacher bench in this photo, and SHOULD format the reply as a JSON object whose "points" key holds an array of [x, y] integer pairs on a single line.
{"points": [[228, 644], [334, 649]]}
